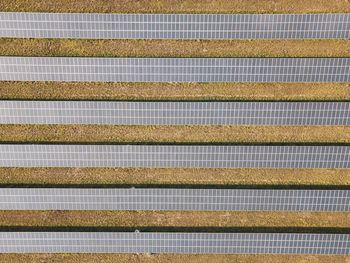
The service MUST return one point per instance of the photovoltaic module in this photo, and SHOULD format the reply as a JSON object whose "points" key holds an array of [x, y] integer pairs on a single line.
{"points": [[92, 69], [174, 113], [175, 26]]}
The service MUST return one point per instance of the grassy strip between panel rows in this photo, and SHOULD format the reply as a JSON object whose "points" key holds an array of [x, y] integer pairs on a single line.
{"points": [[174, 134], [178, 6], [174, 48], [169, 176], [157, 258], [171, 219], [174, 91]]}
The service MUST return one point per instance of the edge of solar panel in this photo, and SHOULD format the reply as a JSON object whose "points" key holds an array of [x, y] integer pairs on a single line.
{"points": [[175, 26], [90, 69], [174, 113], [174, 199], [156, 242], [174, 156]]}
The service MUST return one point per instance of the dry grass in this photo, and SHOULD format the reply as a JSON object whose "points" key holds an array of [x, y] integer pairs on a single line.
{"points": [[174, 48], [174, 134], [164, 219], [157, 258], [174, 91], [149, 176], [178, 6]]}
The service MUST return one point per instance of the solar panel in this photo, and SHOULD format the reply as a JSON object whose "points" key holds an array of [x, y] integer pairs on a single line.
{"points": [[174, 199], [175, 113], [174, 156], [175, 26], [157, 242], [175, 69]]}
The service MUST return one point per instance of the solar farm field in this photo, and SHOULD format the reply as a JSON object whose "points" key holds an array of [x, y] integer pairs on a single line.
{"points": [[332, 174]]}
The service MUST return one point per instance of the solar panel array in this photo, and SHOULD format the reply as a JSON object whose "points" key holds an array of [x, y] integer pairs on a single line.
{"points": [[175, 26], [175, 69], [174, 199], [198, 243], [174, 156], [175, 113]]}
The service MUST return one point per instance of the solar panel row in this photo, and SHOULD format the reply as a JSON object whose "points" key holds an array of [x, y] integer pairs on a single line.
{"points": [[198, 243], [173, 156], [175, 26], [175, 113], [175, 69], [174, 199]]}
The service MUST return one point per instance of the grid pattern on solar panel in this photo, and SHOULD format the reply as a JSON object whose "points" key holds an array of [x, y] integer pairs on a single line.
{"points": [[175, 26], [175, 69], [174, 156], [219, 243], [175, 113], [174, 199]]}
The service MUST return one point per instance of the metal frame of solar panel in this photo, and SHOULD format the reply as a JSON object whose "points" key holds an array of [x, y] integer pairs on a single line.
{"points": [[174, 199], [174, 113], [174, 156], [79, 69], [153, 242], [175, 26]]}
